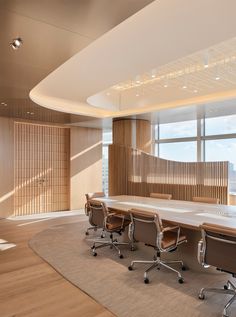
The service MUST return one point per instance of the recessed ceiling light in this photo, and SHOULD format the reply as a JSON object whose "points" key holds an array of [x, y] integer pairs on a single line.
{"points": [[3, 104], [217, 77], [16, 43], [137, 95], [184, 86], [195, 91], [166, 85]]}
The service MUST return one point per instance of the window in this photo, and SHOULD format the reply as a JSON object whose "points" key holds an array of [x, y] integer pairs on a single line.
{"points": [[106, 139], [178, 129], [178, 151], [220, 125]]}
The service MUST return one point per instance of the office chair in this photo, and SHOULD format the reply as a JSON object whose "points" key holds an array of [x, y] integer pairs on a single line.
{"points": [[161, 196], [93, 220], [218, 248], [112, 223], [147, 227], [208, 200]]}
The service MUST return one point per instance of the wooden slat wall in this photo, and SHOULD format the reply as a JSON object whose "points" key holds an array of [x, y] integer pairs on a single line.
{"points": [[41, 168], [133, 172], [132, 132]]}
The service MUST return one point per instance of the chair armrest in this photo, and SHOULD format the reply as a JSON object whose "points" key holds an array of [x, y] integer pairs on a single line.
{"points": [[86, 209], [201, 254], [170, 228], [166, 229]]}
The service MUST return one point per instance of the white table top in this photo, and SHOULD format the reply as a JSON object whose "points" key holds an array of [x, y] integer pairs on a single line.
{"points": [[185, 213]]}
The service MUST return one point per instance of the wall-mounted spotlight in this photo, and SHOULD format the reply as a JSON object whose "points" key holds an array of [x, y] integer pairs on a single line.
{"points": [[16, 43]]}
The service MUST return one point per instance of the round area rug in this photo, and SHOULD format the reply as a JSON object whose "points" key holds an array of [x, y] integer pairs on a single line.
{"points": [[107, 279]]}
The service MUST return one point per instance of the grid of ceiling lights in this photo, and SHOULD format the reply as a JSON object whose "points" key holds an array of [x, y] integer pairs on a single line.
{"points": [[195, 73]]}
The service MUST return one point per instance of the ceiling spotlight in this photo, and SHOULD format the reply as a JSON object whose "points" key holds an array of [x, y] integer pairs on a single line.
{"points": [[166, 85], [217, 77], [184, 87], [3, 104], [16, 43]]}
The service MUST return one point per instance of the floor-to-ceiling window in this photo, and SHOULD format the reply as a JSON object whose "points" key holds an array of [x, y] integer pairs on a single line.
{"points": [[106, 140], [205, 139]]}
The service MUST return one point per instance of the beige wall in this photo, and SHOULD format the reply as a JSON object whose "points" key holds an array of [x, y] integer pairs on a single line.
{"points": [[6, 167], [86, 164]]}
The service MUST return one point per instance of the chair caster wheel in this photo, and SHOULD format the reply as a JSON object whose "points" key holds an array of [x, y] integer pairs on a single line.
{"points": [[184, 268], [130, 268], [95, 254], [226, 287], [180, 280], [121, 256], [201, 296], [146, 280], [86, 233]]}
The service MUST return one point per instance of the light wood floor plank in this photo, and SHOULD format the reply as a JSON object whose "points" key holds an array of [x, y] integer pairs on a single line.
{"points": [[29, 287]]}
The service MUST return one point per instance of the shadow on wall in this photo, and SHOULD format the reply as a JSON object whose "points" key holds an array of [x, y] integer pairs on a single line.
{"points": [[86, 158]]}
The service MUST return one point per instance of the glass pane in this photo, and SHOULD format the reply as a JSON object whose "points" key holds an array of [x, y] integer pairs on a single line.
{"points": [[223, 150], [105, 169], [220, 125], [179, 151], [107, 137], [178, 129]]}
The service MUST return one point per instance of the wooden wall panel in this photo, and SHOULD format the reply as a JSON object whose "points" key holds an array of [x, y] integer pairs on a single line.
{"points": [[133, 172], [41, 165], [133, 133], [85, 164], [6, 167]]}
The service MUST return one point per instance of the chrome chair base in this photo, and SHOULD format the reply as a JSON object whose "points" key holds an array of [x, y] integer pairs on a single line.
{"points": [[229, 289], [112, 243], [157, 263]]}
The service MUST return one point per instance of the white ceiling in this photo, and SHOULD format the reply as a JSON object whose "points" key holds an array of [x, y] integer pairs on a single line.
{"points": [[165, 35]]}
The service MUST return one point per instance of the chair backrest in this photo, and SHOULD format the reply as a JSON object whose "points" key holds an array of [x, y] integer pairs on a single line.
{"points": [[91, 196], [97, 213], [94, 195], [208, 200], [219, 247], [161, 196], [145, 226]]}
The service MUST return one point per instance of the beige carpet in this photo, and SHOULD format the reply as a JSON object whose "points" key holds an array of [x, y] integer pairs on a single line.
{"points": [[107, 279]]}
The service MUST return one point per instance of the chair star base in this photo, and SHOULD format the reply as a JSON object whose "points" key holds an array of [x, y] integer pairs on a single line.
{"points": [[112, 243], [229, 289], [157, 263]]}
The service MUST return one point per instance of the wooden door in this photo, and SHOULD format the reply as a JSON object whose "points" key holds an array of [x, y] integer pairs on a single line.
{"points": [[41, 168]]}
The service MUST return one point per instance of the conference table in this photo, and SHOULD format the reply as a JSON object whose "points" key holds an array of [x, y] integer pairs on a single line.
{"points": [[188, 215], [185, 213]]}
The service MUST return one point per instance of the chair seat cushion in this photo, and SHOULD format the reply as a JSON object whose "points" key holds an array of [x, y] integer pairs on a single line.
{"points": [[115, 223], [169, 239]]}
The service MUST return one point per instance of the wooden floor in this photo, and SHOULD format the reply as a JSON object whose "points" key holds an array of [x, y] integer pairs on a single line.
{"points": [[29, 286]]}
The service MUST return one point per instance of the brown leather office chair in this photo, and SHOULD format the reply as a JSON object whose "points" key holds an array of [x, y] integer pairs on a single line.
{"points": [[161, 196], [147, 227], [94, 222], [218, 248], [208, 200], [112, 223]]}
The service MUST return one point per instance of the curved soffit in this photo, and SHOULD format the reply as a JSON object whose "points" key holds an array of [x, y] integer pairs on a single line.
{"points": [[163, 32]]}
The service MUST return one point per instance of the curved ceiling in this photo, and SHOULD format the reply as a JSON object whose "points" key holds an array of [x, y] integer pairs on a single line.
{"points": [[164, 32]]}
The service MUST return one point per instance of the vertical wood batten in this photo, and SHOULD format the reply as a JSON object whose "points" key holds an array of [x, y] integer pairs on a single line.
{"points": [[133, 172]]}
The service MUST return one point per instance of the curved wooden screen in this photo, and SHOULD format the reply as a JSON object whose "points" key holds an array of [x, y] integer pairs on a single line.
{"points": [[133, 172]]}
